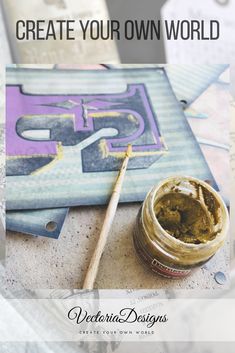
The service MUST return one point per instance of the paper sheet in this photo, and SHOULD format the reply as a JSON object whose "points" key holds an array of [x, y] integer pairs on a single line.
{"points": [[201, 51], [2, 168], [5, 57], [232, 194], [58, 51]]}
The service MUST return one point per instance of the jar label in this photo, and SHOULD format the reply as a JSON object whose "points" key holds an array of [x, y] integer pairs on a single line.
{"points": [[167, 271], [155, 265]]}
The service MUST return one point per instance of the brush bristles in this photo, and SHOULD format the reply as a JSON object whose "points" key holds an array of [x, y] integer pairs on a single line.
{"points": [[129, 150]]}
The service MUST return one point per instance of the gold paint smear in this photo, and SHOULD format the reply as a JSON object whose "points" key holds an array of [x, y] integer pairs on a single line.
{"points": [[26, 156], [61, 116], [102, 114], [133, 119], [58, 157], [106, 153], [103, 148]]}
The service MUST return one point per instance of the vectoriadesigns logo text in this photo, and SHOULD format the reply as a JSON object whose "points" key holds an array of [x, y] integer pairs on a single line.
{"points": [[125, 315]]}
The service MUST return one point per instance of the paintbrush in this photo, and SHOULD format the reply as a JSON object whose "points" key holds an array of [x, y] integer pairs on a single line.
{"points": [[109, 216]]}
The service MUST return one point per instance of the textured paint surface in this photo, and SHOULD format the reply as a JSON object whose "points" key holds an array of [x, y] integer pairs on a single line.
{"points": [[129, 113]]}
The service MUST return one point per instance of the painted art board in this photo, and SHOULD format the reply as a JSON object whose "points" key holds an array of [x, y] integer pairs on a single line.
{"points": [[86, 119], [200, 77], [47, 223]]}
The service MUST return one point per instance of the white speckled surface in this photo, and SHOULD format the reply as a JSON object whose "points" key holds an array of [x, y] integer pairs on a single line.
{"points": [[47, 263]]}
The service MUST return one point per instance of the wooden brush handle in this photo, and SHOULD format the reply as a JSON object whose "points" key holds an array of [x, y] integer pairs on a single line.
{"points": [[109, 216]]}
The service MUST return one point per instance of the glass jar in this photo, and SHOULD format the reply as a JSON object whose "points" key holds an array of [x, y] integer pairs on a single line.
{"points": [[163, 253]]}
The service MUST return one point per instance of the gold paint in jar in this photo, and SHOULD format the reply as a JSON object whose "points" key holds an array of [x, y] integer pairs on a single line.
{"points": [[180, 226]]}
